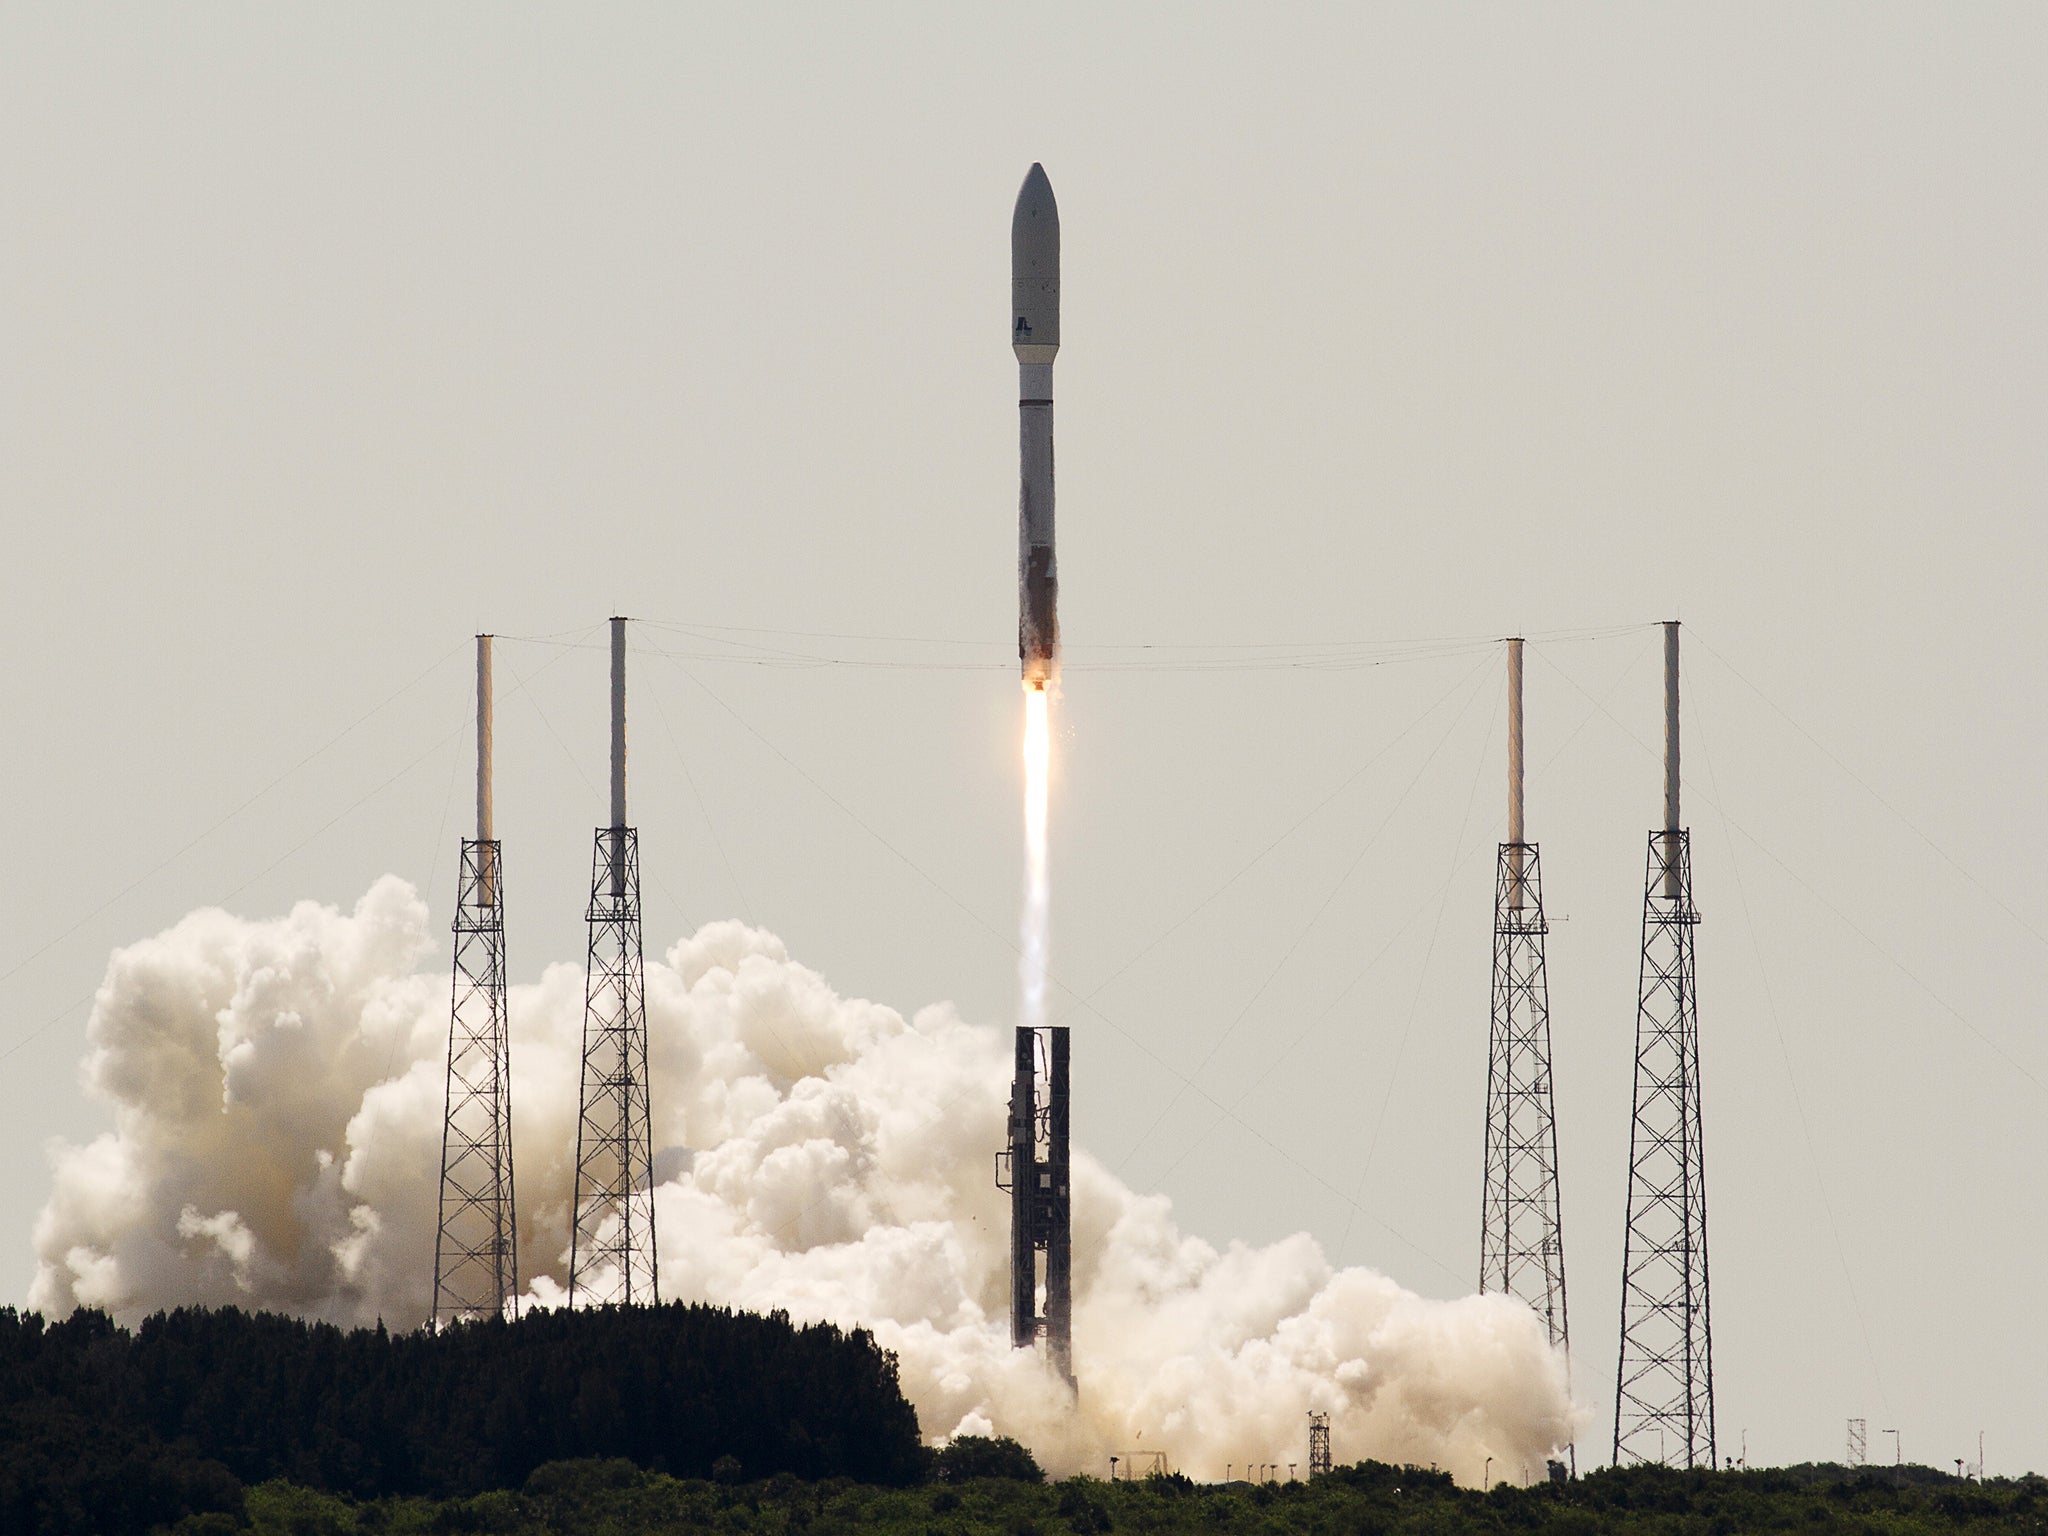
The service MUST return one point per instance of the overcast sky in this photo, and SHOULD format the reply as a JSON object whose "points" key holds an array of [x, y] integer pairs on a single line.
{"points": [[330, 336]]}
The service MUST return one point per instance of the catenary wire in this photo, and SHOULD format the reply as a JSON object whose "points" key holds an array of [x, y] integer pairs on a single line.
{"points": [[167, 862], [1791, 1077], [1422, 976], [1298, 1164], [1301, 936], [1847, 921]]}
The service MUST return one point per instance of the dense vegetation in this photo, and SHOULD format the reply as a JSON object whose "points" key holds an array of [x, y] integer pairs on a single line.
{"points": [[104, 1431], [689, 1421], [616, 1499], [613, 1498]]}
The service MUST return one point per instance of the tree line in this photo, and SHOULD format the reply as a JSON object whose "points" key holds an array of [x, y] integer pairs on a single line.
{"points": [[102, 1429], [694, 1421]]}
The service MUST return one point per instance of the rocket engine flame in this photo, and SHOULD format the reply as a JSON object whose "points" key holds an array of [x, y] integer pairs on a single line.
{"points": [[1037, 922]]}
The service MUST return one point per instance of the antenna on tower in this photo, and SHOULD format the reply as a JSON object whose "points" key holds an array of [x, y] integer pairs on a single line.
{"points": [[612, 1249], [1664, 1380], [476, 1247], [1521, 1240]]}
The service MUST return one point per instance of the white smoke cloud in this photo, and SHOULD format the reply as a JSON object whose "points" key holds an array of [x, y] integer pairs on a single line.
{"points": [[276, 1089]]}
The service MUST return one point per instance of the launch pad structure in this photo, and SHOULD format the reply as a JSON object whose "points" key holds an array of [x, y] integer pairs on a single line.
{"points": [[1664, 1379], [612, 1254], [1036, 1171], [476, 1245], [1521, 1246]]}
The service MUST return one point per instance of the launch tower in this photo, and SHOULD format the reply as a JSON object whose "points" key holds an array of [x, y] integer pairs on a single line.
{"points": [[476, 1248], [612, 1252], [1664, 1382], [1521, 1243], [1036, 1172]]}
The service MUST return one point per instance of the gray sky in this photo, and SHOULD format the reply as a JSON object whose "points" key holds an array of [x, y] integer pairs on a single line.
{"points": [[331, 336]]}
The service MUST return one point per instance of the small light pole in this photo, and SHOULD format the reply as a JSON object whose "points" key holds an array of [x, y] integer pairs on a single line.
{"points": [[1486, 1477], [1112, 1469], [1290, 1471]]}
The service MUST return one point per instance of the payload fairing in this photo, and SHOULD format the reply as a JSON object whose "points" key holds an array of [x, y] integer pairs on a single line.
{"points": [[1035, 337]]}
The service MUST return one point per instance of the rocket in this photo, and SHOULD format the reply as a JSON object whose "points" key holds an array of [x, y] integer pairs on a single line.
{"points": [[1035, 337]]}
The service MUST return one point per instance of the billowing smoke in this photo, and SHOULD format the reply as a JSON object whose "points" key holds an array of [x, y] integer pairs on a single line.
{"points": [[276, 1089]]}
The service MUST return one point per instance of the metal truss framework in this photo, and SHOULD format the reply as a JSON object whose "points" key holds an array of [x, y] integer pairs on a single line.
{"points": [[476, 1249], [612, 1251], [1521, 1241], [1035, 1170], [1664, 1381], [1318, 1444]]}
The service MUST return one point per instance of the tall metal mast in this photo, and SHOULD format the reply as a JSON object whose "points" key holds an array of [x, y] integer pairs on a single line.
{"points": [[1521, 1240], [1664, 1381], [476, 1248], [612, 1250]]}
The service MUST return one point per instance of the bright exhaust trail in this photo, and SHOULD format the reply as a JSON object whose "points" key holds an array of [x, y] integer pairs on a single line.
{"points": [[1037, 919]]}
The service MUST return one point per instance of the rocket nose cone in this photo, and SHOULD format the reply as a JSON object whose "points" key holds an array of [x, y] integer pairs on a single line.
{"points": [[1035, 202], [1035, 271]]}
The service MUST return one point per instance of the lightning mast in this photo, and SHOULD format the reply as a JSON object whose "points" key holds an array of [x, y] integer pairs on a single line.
{"points": [[1521, 1240], [476, 1247], [1664, 1381], [612, 1250]]}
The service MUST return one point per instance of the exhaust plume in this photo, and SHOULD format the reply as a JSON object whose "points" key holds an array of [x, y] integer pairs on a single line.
{"points": [[275, 1088], [1037, 934]]}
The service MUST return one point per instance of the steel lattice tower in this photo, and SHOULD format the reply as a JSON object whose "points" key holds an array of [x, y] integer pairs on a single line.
{"points": [[1664, 1381], [476, 1247], [1521, 1243], [1318, 1444], [612, 1250], [1036, 1171]]}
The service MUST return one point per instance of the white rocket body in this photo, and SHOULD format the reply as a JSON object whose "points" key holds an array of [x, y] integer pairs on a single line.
{"points": [[1035, 337]]}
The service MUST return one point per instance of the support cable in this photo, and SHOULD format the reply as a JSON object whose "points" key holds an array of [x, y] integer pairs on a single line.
{"points": [[1791, 1077], [1082, 1001], [1864, 784], [1301, 937], [157, 869], [1847, 921], [1301, 821], [1422, 977]]}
